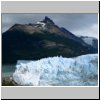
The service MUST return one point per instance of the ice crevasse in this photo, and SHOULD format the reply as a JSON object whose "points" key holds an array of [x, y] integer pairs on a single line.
{"points": [[58, 71]]}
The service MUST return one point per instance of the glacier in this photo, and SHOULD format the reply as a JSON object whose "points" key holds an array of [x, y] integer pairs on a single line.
{"points": [[58, 71]]}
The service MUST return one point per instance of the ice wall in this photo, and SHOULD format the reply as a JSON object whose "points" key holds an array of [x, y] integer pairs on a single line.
{"points": [[58, 71]]}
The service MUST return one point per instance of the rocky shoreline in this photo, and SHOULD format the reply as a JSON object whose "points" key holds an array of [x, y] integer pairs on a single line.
{"points": [[8, 81]]}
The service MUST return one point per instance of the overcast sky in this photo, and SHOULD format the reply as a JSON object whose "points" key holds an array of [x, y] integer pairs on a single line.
{"points": [[78, 24]]}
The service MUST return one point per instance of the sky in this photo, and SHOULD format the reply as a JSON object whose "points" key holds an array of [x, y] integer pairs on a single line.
{"points": [[78, 23]]}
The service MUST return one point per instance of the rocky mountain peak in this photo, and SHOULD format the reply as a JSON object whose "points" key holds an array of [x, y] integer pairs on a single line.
{"points": [[48, 20], [29, 41]]}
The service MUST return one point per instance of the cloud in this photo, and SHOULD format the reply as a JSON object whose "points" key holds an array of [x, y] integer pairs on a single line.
{"points": [[90, 31], [78, 24]]}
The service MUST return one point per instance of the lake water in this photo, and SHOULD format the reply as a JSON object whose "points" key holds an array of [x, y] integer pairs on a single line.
{"points": [[8, 70]]}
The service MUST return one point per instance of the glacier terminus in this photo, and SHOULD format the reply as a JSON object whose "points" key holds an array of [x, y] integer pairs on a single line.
{"points": [[58, 71]]}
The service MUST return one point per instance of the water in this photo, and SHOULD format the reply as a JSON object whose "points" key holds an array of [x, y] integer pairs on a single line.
{"points": [[8, 70]]}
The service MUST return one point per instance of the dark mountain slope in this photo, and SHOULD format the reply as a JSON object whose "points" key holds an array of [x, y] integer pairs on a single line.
{"points": [[43, 39]]}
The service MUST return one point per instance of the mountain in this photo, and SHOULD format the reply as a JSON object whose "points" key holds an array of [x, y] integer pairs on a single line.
{"points": [[39, 40], [91, 41], [58, 71]]}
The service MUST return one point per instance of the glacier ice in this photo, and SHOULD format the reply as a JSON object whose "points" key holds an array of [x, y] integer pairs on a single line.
{"points": [[58, 71]]}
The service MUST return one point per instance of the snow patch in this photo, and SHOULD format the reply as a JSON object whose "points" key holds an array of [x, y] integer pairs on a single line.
{"points": [[58, 71], [41, 23], [88, 40]]}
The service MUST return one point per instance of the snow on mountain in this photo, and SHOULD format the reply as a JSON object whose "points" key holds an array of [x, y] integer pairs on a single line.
{"points": [[89, 40], [58, 71], [92, 41], [41, 23]]}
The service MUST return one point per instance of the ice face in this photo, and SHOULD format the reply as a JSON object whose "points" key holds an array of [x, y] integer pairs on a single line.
{"points": [[58, 71]]}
